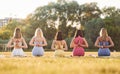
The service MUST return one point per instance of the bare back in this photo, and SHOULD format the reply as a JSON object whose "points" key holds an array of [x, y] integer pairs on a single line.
{"points": [[59, 45]]}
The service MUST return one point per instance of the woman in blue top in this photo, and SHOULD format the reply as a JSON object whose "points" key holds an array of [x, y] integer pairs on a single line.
{"points": [[38, 41], [104, 42]]}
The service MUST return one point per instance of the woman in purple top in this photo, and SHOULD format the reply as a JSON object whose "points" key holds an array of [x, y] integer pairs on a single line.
{"points": [[78, 43]]}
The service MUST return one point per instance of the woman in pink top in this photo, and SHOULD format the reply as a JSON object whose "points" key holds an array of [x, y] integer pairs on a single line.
{"points": [[78, 43]]}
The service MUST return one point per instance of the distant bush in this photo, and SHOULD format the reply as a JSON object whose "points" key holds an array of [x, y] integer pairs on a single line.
{"points": [[3, 41], [5, 34]]}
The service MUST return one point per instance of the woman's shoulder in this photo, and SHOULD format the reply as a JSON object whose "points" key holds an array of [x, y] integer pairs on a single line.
{"points": [[20, 39], [108, 37], [99, 37], [43, 38], [17, 38], [12, 38], [54, 40], [33, 37], [84, 38], [79, 38], [58, 40], [63, 40], [73, 39]]}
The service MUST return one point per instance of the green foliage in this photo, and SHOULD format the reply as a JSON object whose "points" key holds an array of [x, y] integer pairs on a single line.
{"points": [[68, 41], [3, 41], [57, 16], [112, 24], [114, 33], [48, 47], [92, 29], [12, 25], [5, 34], [8, 30]]}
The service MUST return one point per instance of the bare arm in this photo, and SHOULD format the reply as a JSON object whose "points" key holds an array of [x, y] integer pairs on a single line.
{"points": [[66, 47], [10, 43], [96, 43], [111, 43], [44, 42], [86, 44], [53, 45], [32, 42], [24, 43], [72, 44]]}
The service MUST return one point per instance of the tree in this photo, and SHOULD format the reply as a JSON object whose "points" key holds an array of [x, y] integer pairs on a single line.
{"points": [[92, 29], [8, 30], [112, 23], [5, 34]]}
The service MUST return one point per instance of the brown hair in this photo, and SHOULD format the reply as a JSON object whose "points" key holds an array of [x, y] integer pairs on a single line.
{"points": [[79, 33], [59, 36], [17, 33]]}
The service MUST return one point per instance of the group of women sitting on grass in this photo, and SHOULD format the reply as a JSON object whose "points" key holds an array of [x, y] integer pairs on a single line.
{"points": [[78, 43]]}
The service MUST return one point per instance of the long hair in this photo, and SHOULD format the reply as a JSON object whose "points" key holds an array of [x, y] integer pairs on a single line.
{"points": [[17, 33], [79, 33], [103, 33], [39, 32], [59, 36]]}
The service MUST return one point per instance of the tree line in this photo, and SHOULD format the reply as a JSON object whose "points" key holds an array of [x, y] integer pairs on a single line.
{"points": [[66, 16]]}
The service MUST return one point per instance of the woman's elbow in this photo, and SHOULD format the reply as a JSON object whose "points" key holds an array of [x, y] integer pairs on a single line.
{"points": [[71, 46], [52, 48], [46, 44], [30, 44], [26, 46], [66, 48], [112, 45], [87, 46], [8, 45], [95, 45]]}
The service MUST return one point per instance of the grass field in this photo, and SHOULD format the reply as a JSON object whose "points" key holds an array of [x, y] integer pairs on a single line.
{"points": [[56, 65]]}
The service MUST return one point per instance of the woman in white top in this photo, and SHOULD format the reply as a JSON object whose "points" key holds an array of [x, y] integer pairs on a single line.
{"points": [[59, 45], [38, 41], [17, 42]]}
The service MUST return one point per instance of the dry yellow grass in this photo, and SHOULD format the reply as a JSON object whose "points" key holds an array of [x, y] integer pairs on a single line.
{"points": [[56, 65]]}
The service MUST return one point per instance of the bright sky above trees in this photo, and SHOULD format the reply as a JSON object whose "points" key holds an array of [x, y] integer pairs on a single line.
{"points": [[21, 8]]}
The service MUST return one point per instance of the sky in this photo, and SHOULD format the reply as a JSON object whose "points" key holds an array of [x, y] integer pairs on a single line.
{"points": [[21, 8]]}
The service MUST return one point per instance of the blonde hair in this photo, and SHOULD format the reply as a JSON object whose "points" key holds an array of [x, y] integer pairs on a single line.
{"points": [[39, 31], [103, 33], [17, 33]]}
